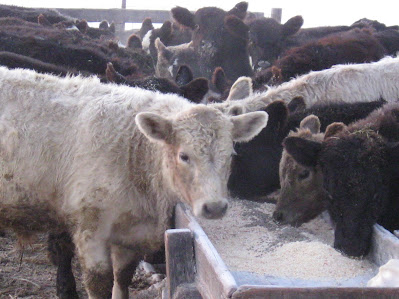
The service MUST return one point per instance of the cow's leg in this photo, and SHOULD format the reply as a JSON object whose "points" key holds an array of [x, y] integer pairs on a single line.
{"points": [[124, 262], [95, 259], [61, 251]]}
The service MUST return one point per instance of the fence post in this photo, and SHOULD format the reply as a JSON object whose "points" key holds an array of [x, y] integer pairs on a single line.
{"points": [[276, 14], [120, 27], [180, 264]]}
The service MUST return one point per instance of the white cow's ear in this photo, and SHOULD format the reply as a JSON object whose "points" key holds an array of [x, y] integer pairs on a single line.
{"points": [[154, 126], [241, 89], [248, 125]]}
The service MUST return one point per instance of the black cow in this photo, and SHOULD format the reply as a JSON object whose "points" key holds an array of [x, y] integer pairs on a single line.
{"points": [[360, 171], [255, 168], [220, 38]]}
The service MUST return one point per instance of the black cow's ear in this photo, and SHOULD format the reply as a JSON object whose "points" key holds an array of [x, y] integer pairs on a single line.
{"points": [[42, 20], [184, 75], [236, 27], [166, 30], [334, 128], [134, 42], [219, 79], [297, 104], [278, 115], [113, 76], [82, 25], [104, 24], [183, 16], [196, 89], [239, 10], [112, 27], [303, 151], [145, 27], [292, 26]]}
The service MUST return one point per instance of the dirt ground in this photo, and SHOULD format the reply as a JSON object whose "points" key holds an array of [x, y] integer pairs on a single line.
{"points": [[33, 275]]}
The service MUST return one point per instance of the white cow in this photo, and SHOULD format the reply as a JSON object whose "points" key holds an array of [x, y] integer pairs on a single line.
{"points": [[364, 82], [108, 163]]}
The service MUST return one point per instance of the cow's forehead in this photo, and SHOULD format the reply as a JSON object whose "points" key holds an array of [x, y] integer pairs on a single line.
{"points": [[203, 126], [203, 116]]}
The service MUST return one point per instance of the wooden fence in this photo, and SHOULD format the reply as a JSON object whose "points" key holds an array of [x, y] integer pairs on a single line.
{"points": [[122, 16]]}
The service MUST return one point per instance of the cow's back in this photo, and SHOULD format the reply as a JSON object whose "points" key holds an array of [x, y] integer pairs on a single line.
{"points": [[59, 133]]}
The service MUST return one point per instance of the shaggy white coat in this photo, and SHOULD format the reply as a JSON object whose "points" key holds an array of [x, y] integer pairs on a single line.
{"points": [[74, 156]]}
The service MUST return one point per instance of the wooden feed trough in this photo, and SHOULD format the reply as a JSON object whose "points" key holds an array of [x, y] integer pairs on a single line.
{"points": [[196, 270]]}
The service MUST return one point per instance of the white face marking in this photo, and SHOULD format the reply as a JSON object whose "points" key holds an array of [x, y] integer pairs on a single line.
{"points": [[170, 70], [146, 42]]}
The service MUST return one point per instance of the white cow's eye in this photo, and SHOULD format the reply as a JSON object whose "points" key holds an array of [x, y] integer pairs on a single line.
{"points": [[184, 157]]}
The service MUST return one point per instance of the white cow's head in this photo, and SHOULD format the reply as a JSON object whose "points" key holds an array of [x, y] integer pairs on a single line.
{"points": [[197, 146]]}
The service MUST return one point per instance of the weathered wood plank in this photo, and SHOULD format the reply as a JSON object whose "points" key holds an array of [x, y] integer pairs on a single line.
{"points": [[276, 14], [180, 265], [384, 246], [187, 291], [266, 292], [120, 16], [212, 277], [215, 281], [116, 15]]}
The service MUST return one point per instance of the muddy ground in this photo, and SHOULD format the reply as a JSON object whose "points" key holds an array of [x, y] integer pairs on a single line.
{"points": [[31, 275]]}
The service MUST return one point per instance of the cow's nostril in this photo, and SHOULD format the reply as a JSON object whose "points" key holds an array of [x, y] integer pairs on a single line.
{"points": [[214, 210], [278, 216], [206, 210]]}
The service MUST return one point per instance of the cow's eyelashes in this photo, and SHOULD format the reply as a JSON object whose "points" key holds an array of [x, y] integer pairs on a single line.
{"points": [[303, 174], [184, 157]]}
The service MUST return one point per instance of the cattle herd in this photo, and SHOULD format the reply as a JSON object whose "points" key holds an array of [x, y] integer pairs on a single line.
{"points": [[102, 133]]}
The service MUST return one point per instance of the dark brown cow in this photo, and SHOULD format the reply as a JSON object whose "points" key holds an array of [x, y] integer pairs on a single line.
{"points": [[185, 86], [355, 46], [70, 49], [270, 39], [31, 14]]}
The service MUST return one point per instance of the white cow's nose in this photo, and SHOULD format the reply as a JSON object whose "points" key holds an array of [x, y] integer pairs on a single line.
{"points": [[214, 210]]}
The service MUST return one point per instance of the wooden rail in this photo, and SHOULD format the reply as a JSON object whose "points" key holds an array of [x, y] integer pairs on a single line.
{"points": [[121, 16], [116, 15]]}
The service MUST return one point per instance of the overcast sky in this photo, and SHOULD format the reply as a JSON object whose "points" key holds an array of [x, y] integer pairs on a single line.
{"points": [[315, 13]]}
